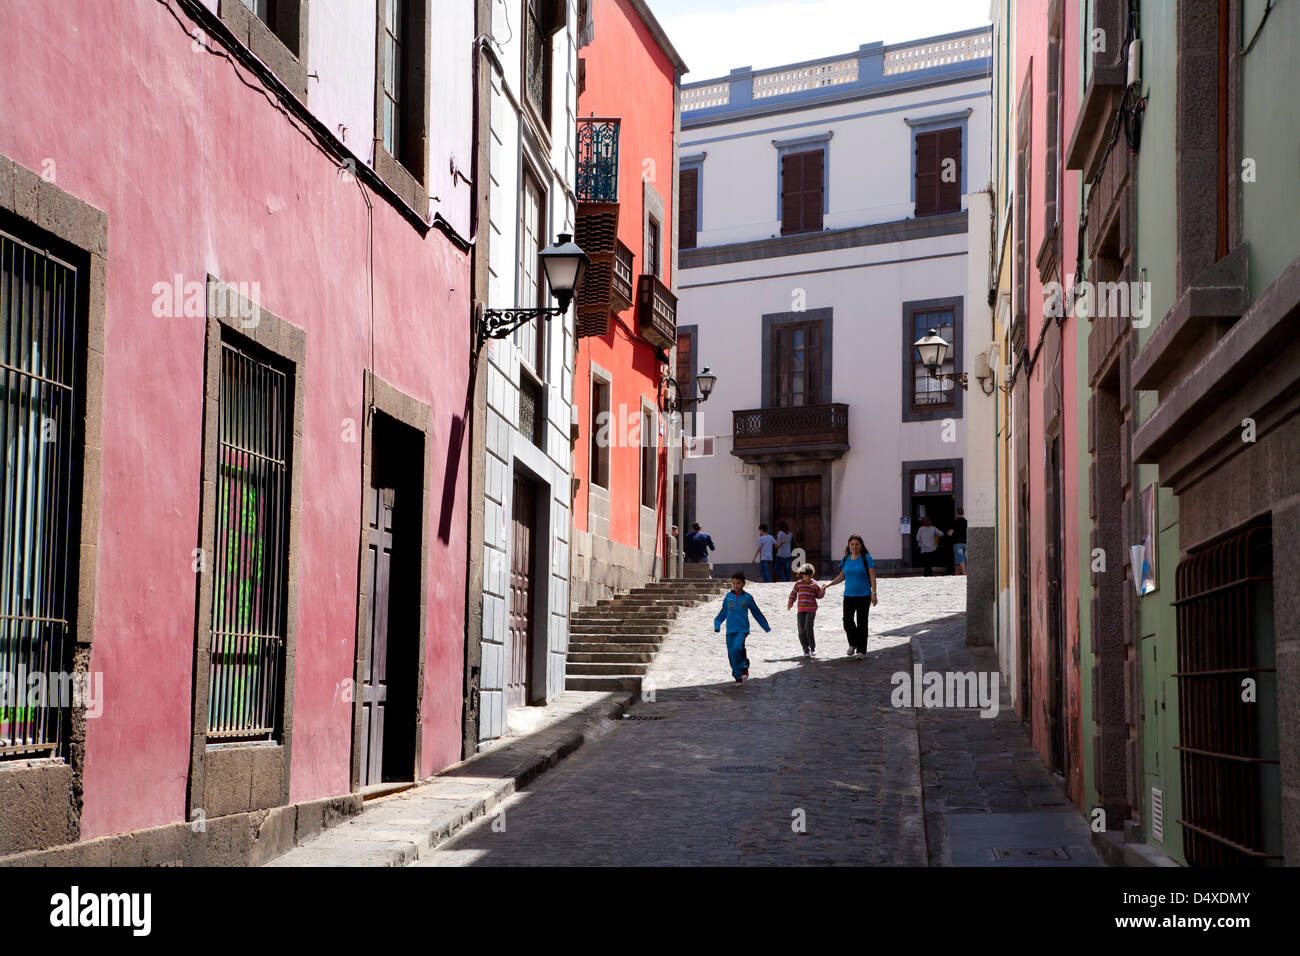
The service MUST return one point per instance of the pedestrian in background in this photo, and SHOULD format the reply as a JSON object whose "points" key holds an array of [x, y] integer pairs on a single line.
{"points": [[806, 591], [698, 545], [764, 552], [958, 536], [783, 541], [858, 572], [927, 536], [737, 606]]}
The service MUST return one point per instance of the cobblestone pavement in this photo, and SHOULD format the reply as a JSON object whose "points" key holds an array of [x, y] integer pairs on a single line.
{"points": [[720, 773], [989, 799]]}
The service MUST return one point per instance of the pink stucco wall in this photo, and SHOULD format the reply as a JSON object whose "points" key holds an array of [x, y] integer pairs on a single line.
{"points": [[1031, 39], [198, 173]]}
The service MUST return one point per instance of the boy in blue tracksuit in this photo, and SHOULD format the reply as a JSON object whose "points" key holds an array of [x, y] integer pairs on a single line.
{"points": [[736, 608]]}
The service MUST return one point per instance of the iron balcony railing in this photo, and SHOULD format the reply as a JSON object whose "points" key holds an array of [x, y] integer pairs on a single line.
{"points": [[39, 439], [597, 160], [656, 312], [790, 426]]}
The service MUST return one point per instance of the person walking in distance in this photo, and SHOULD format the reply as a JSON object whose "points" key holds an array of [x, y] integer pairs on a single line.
{"points": [[737, 606], [783, 541], [806, 591], [927, 536], [958, 536], [764, 552], [698, 545], [858, 572]]}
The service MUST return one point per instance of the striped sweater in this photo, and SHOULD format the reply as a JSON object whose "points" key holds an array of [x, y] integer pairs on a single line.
{"points": [[807, 595]]}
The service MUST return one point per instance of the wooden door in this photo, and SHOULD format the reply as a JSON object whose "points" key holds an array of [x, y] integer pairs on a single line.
{"points": [[796, 365], [374, 685], [519, 640], [798, 502]]}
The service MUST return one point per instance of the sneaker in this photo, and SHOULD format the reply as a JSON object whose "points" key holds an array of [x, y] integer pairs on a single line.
{"points": [[807, 654], [740, 680], [745, 673], [812, 654]]}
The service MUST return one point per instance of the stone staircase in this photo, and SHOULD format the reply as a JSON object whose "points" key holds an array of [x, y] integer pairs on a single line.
{"points": [[612, 642]]}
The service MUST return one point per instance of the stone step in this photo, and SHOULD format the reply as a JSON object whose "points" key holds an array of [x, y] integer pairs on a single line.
{"points": [[619, 626], [609, 657], [605, 670], [614, 647], [632, 684]]}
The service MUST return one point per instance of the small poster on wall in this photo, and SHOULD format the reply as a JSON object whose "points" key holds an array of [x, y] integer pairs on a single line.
{"points": [[918, 482], [932, 481], [905, 527], [1143, 555], [945, 483]]}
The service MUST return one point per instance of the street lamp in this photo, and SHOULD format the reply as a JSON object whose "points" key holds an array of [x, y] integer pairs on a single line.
{"points": [[565, 265], [671, 403], [933, 349]]}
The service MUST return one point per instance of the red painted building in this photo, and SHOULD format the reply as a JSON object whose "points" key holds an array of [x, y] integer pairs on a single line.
{"points": [[246, 258], [628, 120]]}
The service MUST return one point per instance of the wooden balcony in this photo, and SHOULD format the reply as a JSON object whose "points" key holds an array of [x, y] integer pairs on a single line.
{"points": [[791, 433], [656, 312], [596, 232], [621, 291]]}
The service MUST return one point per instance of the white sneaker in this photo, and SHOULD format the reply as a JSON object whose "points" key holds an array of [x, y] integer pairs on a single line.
{"points": [[812, 654]]}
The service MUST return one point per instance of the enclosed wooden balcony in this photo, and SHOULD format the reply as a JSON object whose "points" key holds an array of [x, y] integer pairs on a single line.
{"points": [[791, 433], [656, 312]]}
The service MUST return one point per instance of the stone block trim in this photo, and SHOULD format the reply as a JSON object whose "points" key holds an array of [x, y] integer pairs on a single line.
{"points": [[281, 44], [229, 312], [40, 800], [418, 416], [249, 838]]}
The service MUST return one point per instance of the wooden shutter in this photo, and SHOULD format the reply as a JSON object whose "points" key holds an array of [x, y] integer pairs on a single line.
{"points": [[780, 366], [927, 174], [688, 205], [949, 147], [812, 363], [814, 178], [791, 193]]}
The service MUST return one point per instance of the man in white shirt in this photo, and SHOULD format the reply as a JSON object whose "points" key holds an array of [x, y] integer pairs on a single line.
{"points": [[763, 553], [927, 536]]}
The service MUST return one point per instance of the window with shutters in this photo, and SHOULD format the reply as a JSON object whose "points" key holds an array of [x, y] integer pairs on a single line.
{"points": [[599, 427], [652, 248], [531, 338], [688, 208], [797, 365], [938, 171], [649, 460], [803, 180]]}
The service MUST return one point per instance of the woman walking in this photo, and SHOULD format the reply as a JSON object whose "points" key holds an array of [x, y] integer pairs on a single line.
{"points": [[858, 572], [783, 541]]}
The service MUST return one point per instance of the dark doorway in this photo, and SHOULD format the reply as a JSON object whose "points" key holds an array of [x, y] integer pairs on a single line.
{"points": [[941, 509], [798, 502], [519, 641], [1052, 509], [393, 519]]}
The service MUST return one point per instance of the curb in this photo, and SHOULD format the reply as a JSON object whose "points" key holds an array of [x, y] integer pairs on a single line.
{"points": [[381, 842]]}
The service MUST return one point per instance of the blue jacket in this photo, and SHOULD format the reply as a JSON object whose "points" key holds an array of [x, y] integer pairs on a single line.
{"points": [[736, 609]]}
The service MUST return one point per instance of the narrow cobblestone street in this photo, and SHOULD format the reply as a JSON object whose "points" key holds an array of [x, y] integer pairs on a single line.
{"points": [[709, 772]]}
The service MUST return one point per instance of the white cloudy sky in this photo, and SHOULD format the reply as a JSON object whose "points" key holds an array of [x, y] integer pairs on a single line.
{"points": [[715, 36]]}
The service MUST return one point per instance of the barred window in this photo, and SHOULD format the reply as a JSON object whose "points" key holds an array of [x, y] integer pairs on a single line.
{"points": [[40, 347], [649, 460], [255, 423]]}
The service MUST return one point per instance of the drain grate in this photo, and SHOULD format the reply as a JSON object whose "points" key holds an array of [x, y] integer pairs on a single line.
{"points": [[1019, 854], [642, 717], [744, 768]]}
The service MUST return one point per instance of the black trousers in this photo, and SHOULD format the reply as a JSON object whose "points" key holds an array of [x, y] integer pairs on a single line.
{"points": [[927, 561], [806, 636], [856, 611]]}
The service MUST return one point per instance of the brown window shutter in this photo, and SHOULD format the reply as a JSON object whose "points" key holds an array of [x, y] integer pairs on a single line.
{"points": [[688, 204], [791, 193], [949, 148], [927, 174], [813, 363], [814, 178]]}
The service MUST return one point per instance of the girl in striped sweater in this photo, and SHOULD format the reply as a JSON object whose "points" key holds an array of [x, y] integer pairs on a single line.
{"points": [[806, 591]]}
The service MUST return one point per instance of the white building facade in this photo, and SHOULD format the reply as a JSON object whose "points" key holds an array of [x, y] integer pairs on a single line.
{"points": [[529, 376], [832, 230]]}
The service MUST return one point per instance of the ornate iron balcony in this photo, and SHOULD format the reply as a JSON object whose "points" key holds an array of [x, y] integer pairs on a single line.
{"points": [[597, 160]]}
